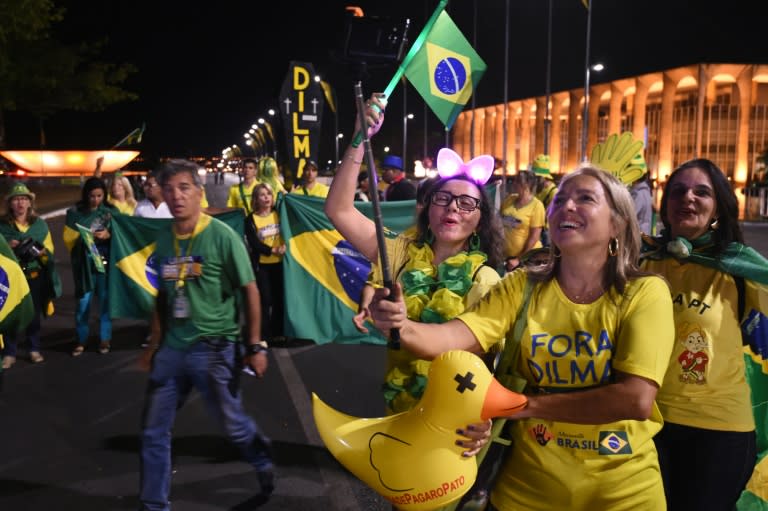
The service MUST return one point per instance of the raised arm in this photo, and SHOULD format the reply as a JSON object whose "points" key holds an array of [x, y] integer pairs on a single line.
{"points": [[339, 205]]}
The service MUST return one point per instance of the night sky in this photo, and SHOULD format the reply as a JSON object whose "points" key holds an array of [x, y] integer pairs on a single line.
{"points": [[208, 70]]}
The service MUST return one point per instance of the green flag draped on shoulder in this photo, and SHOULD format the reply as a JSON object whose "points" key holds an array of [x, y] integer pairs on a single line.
{"points": [[755, 495], [324, 273], [16, 307], [133, 269], [445, 70]]}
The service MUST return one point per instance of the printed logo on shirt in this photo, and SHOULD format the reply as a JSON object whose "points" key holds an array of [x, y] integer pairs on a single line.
{"points": [[614, 442], [269, 232], [576, 442], [694, 358], [510, 222], [541, 434], [569, 360], [182, 268]]}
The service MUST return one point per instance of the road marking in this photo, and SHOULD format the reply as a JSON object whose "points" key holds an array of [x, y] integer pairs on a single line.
{"points": [[339, 490]]}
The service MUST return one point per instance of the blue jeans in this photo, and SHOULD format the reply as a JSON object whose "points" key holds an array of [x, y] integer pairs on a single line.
{"points": [[84, 311], [213, 368]]}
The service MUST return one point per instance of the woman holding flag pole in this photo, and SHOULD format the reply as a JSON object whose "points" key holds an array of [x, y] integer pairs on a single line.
{"points": [[87, 234], [458, 237]]}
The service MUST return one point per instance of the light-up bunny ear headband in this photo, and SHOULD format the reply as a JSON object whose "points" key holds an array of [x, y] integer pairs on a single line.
{"points": [[450, 164]]}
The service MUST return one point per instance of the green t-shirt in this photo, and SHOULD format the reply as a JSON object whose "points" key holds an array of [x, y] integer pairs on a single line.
{"points": [[214, 264]]}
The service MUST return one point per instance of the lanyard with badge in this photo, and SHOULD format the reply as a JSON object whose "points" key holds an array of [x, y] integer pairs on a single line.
{"points": [[183, 266]]}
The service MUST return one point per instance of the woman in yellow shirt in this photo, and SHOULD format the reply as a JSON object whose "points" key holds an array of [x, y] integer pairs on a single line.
{"points": [[121, 195]]}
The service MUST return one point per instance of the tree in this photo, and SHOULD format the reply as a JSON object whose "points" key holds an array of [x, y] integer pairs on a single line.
{"points": [[43, 76]]}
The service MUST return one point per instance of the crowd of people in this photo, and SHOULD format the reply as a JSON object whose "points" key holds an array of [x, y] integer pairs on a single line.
{"points": [[628, 345]]}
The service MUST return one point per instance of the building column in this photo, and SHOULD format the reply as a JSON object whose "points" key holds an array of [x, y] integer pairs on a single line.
{"points": [[541, 110], [512, 141], [555, 133], [614, 110], [574, 143], [642, 86], [701, 103], [498, 145], [744, 84], [479, 133], [525, 135], [489, 130], [665, 128], [595, 93]]}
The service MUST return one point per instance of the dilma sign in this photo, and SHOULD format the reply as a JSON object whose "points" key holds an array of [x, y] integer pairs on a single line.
{"points": [[301, 107]]}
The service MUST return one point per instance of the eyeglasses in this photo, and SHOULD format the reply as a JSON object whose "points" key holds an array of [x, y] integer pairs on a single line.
{"points": [[463, 202]]}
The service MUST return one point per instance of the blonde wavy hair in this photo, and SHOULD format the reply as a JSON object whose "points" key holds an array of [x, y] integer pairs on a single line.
{"points": [[624, 266], [127, 189]]}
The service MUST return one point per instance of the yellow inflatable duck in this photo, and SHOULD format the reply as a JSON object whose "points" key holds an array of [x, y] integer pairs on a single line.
{"points": [[411, 458]]}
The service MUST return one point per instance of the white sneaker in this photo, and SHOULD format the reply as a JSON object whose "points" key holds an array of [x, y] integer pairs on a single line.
{"points": [[8, 361]]}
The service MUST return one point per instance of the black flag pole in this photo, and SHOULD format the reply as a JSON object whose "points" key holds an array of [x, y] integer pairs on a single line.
{"points": [[373, 184]]}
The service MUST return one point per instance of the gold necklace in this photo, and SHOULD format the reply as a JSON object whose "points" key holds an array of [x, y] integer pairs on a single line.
{"points": [[588, 297]]}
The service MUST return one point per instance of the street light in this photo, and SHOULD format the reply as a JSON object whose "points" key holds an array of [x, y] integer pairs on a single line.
{"points": [[268, 127], [339, 136], [406, 118], [585, 114], [330, 94]]}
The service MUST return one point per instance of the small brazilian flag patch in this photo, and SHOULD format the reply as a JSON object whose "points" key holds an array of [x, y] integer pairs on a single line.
{"points": [[614, 442]]}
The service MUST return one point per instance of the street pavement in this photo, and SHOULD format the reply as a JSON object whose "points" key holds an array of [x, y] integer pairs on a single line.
{"points": [[69, 426]]}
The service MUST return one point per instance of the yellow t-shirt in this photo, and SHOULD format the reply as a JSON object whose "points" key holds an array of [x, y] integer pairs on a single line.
{"points": [[268, 232], [404, 370], [547, 193], [567, 346], [705, 385], [519, 222], [123, 207], [235, 198], [319, 190]]}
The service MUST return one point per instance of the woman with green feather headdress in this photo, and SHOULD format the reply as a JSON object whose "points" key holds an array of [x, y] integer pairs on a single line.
{"points": [[268, 173]]}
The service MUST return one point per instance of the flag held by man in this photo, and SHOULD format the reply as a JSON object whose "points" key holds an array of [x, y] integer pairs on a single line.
{"points": [[324, 273], [16, 307]]}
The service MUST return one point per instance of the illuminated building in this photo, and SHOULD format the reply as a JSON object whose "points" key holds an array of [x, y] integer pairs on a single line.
{"points": [[714, 111]]}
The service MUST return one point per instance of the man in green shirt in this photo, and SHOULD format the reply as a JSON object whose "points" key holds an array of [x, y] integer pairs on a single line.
{"points": [[194, 341]]}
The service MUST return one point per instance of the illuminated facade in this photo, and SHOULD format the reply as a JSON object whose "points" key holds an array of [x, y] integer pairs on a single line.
{"points": [[715, 111]]}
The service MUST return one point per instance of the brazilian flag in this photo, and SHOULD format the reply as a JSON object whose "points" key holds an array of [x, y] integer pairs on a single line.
{"points": [[16, 307], [133, 268], [445, 70], [324, 274], [755, 495]]}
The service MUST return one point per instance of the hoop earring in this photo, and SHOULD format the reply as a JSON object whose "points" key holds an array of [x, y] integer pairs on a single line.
{"points": [[474, 242], [714, 224], [556, 252], [613, 247]]}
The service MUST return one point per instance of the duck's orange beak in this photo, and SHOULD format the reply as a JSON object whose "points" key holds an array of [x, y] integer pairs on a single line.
{"points": [[501, 402]]}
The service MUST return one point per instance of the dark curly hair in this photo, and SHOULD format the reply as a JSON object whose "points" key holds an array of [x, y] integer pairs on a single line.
{"points": [[726, 203], [91, 184], [489, 229]]}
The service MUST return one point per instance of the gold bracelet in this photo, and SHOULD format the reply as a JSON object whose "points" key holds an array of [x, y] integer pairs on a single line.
{"points": [[350, 157]]}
